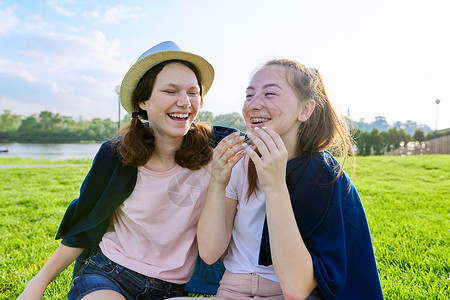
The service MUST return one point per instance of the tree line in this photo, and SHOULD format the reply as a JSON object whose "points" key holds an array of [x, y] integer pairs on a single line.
{"points": [[47, 127], [377, 142]]}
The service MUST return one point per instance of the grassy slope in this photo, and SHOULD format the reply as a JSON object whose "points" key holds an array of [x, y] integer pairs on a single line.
{"points": [[32, 202], [406, 200]]}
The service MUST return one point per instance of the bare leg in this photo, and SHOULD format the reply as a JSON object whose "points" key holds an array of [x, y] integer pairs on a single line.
{"points": [[184, 298], [104, 294]]}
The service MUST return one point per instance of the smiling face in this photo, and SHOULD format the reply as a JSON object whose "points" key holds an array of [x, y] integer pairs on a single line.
{"points": [[174, 101], [270, 101]]}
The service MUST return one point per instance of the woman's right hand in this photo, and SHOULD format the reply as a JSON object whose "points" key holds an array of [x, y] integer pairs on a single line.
{"points": [[226, 154], [34, 290], [58, 262]]}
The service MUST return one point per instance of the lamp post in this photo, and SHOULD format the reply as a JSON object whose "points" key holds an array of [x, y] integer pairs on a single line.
{"points": [[118, 95], [436, 144]]}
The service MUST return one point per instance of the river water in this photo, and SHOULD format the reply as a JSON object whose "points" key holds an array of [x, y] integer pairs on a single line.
{"points": [[50, 151]]}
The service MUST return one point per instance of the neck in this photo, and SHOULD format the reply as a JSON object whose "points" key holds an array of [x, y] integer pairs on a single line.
{"points": [[291, 143], [292, 151], [163, 157]]}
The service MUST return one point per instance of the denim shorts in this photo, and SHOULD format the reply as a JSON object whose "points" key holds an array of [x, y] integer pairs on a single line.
{"points": [[100, 273]]}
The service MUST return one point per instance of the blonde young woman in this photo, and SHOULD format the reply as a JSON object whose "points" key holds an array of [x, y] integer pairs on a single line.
{"points": [[133, 227], [289, 216]]}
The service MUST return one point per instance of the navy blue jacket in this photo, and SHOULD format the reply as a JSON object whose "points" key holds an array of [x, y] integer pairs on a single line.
{"points": [[333, 226], [105, 187]]}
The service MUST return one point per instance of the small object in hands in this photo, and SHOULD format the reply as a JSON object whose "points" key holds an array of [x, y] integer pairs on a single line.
{"points": [[247, 141]]}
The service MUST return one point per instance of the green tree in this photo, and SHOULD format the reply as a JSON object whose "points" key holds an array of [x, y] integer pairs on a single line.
{"points": [[48, 129], [67, 130], [385, 141], [205, 116], [394, 139], [419, 135], [233, 120], [29, 129], [363, 142], [9, 123], [377, 143], [403, 136], [440, 133]]}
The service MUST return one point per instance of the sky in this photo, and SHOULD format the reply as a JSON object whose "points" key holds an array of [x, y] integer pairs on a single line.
{"points": [[386, 58]]}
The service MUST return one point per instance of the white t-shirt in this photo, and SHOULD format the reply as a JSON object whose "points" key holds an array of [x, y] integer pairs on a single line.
{"points": [[153, 232], [245, 242]]}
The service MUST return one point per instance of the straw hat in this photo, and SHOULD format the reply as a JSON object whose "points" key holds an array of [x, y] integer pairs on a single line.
{"points": [[162, 52]]}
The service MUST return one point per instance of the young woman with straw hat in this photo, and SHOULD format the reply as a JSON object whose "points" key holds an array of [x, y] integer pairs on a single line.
{"points": [[133, 227]]}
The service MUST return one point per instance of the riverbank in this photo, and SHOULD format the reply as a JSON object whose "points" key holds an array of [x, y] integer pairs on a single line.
{"points": [[50, 151], [39, 166]]}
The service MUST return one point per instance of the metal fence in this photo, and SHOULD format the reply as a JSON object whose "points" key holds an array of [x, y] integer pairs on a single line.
{"points": [[440, 145]]}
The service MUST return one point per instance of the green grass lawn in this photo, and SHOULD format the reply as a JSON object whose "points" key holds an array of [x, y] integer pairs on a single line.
{"points": [[406, 199]]}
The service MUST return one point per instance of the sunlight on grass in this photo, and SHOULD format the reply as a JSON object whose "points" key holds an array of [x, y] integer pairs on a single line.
{"points": [[406, 201]]}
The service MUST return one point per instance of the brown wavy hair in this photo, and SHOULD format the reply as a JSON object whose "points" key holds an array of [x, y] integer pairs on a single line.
{"points": [[324, 130], [136, 141]]}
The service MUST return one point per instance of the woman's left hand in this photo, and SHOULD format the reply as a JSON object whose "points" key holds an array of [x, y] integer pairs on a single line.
{"points": [[271, 163]]}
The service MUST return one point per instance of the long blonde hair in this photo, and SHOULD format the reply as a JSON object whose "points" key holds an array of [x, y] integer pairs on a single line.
{"points": [[324, 130]]}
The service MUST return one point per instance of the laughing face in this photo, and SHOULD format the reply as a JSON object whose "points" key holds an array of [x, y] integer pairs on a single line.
{"points": [[270, 101], [174, 101]]}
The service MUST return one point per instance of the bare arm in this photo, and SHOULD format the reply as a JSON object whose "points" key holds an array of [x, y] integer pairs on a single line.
{"points": [[291, 259], [216, 222], [58, 262], [215, 225]]}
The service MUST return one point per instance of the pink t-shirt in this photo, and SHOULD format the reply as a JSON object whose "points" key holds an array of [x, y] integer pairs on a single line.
{"points": [[154, 231]]}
